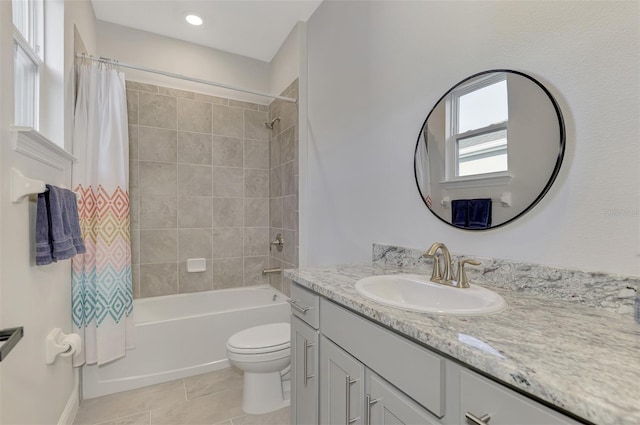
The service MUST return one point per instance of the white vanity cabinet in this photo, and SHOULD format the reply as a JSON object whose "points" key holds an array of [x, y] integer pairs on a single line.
{"points": [[369, 375]]}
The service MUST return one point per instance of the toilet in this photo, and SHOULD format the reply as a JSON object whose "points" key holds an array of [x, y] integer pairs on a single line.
{"points": [[263, 353]]}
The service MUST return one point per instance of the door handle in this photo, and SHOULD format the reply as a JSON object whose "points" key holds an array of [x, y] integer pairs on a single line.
{"points": [[483, 420], [348, 382], [305, 361], [294, 304], [370, 402]]}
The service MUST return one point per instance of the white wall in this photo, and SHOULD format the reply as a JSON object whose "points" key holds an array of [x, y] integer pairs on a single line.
{"points": [[377, 68], [143, 48], [38, 298], [285, 65]]}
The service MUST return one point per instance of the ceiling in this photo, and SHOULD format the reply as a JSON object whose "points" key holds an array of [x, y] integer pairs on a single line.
{"points": [[253, 28]]}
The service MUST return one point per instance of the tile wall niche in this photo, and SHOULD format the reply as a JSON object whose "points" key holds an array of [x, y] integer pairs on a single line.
{"points": [[199, 188], [283, 184]]}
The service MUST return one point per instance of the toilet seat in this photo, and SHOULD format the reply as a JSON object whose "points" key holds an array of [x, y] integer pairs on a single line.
{"points": [[261, 339]]}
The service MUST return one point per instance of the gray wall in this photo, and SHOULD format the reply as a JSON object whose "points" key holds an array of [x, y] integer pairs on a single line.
{"points": [[199, 186]]}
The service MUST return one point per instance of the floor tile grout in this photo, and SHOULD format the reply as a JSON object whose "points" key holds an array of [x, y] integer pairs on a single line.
{"points": [[221, 383], [125, 416]]}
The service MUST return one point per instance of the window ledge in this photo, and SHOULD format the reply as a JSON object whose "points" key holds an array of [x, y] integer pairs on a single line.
{"points": [[481, 180], [31, 143]]}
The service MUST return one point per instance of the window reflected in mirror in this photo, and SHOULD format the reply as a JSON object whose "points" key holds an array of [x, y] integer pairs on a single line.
{"points": [[478, 113]]}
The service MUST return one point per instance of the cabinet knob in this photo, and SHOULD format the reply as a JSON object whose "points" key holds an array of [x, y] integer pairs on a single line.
{"points": [[483, 420]]}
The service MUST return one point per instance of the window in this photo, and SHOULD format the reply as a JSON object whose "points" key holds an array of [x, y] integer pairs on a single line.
{"points": [[477, 127], [27, 60]]}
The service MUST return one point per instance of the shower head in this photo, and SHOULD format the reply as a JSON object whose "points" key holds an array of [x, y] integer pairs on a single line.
{"points": [[269, 125]]}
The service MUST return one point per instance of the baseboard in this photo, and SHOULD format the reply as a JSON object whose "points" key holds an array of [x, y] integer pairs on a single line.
{"points": [[71, 409]]}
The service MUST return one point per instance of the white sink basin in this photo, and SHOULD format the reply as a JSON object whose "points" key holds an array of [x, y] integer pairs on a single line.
{"points": [[417, 293]]}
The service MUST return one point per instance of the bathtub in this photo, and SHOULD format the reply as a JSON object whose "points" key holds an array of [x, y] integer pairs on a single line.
{"points": [[184, 335]]}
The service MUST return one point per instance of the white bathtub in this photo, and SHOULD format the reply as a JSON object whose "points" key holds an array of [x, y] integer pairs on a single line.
{"points": [[184, 335]]}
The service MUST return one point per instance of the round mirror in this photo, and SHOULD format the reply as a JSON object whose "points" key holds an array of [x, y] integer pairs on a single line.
{"points": [[489, 150]]}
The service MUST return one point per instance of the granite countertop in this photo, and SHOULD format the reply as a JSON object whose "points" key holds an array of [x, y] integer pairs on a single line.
{"points": [[581, 359]]}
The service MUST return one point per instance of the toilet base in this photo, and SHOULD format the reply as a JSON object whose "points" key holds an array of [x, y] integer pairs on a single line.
{"points": [[264, 393]]}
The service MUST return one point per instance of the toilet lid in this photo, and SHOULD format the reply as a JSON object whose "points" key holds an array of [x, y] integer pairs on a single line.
{"points": [[274, 336]]}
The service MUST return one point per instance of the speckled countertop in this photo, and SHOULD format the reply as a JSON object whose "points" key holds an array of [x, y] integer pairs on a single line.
{"points": [[582, 359]]}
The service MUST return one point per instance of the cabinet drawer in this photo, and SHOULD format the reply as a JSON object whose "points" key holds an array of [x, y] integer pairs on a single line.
{"points": [[480, 396], [414, 370], [305, 305]]}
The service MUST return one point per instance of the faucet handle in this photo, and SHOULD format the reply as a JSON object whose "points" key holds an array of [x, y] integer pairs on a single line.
{"points": [[463, 281], [436, 274]]}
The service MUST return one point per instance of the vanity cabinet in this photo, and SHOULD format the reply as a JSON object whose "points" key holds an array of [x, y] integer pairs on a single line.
{"points": [[387, 406], [351, 393], [304, 357], [368, 375], [342, 383], [480, 396], [304, 379]]}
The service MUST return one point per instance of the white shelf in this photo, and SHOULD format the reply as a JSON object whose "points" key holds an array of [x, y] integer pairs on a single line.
{"points": [[31, 143]]}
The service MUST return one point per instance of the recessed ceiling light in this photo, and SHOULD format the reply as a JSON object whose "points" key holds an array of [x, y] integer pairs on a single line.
{"points": [[194, 20]]}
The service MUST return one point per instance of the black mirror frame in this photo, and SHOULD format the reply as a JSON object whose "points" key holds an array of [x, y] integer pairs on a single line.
{"points": [[556, 169]]}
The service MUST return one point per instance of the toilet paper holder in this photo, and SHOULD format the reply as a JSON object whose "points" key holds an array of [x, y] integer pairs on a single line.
{"points": [[57, 343]]}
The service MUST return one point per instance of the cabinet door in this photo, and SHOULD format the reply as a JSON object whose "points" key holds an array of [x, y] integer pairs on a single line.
{"points": [[304, 369], [341, 386], [386, 405]]}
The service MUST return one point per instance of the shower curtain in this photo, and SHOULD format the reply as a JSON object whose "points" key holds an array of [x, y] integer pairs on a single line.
{"points": [[102, 295]]}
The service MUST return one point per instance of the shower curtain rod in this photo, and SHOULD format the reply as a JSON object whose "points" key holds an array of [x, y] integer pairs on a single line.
{"points": [[184, 77]]}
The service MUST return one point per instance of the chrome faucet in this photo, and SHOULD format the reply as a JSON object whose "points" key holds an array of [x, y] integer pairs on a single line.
{"points": [[449, 279]]}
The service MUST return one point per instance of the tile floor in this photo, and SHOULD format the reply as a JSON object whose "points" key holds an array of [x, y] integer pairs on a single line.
{"points": [[213, 398]]}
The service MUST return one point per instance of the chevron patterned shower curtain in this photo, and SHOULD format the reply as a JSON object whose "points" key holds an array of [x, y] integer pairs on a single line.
{"points": [[102, 295]]}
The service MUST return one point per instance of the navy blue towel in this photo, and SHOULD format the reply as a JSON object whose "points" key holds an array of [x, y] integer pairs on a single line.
{"points": [[460, 212], [43, 243], [58, 235], [480, 213]]}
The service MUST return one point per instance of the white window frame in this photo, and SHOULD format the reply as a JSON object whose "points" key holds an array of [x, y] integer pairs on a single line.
{"points": [[31, 44], [451, 125]]}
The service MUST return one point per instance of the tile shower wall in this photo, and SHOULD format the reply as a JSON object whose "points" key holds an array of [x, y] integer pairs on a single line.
{"points": [[283, 184], [199, 186]]}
